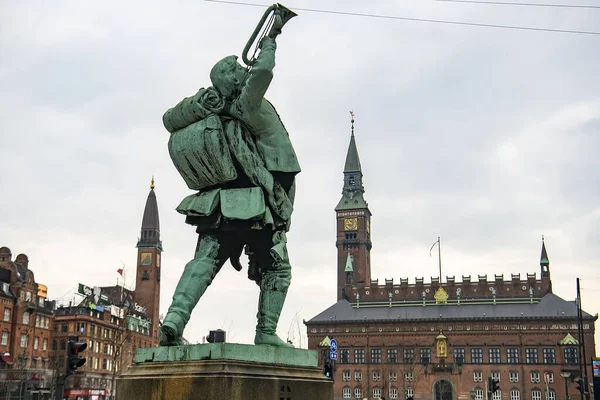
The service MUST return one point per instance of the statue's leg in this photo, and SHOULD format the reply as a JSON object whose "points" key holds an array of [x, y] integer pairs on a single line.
{"points": [[272, 256], [212, 251]]}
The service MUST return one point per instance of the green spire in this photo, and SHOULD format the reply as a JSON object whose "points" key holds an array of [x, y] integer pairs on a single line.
{"points": [[349, 267], [352, 159], [544, 257], [352, 192]]}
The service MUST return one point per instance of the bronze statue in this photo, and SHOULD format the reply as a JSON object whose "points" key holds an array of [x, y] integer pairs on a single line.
{"points": [[230, 145]]}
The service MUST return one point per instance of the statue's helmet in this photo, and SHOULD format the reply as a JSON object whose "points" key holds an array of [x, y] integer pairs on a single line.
{"points": [[223, 77]]}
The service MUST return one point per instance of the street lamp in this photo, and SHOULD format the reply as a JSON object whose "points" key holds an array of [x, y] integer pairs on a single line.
{"points": [[566, 375]]}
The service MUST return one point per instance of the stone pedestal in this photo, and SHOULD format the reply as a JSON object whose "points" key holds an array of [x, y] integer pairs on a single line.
{"points": [[224, 371]]}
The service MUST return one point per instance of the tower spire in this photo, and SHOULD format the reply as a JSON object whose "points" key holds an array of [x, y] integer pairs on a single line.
{"points": [[150, 233], [352, 159], [352, 192], [544, 261]]}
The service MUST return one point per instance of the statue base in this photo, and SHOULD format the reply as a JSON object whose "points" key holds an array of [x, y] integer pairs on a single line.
{"points": [[224, 371]]}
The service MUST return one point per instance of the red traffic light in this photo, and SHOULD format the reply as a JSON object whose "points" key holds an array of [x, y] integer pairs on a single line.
{"points": [[78, 347]]}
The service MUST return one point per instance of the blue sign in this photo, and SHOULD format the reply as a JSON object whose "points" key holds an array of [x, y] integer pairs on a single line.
{"points": [[333, 345], [333, 355]]}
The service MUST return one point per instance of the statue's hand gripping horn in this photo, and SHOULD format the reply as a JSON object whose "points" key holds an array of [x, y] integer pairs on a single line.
{"points": [[285, 13]]}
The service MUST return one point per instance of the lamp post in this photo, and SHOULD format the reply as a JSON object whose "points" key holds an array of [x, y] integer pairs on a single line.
{"points": [[566, 375]]}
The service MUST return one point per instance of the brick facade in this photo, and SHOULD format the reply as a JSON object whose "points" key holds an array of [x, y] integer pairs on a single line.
{"points": [[442, 340], [26, 323]]}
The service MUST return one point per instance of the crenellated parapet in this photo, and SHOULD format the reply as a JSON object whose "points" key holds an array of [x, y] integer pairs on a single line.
{"points": [[479, 287]]}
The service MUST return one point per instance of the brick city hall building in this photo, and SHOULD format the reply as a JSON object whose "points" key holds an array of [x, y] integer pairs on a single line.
{"points": [[442, 340]]}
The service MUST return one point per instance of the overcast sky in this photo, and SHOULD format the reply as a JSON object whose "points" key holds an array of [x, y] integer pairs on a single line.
{"points": [[486, 137]]}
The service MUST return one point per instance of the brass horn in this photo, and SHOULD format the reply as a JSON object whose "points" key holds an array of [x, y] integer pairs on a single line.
{"points": [[285, 13]]}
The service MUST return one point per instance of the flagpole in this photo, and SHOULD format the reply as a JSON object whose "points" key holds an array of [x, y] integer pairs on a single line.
{"points": [[440, 257], [439, 243]]}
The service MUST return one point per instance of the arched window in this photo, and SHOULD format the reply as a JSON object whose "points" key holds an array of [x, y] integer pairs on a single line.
{"points": [[358, 393], [377, 392], [515, 394], [536, 394], [347, 392]]}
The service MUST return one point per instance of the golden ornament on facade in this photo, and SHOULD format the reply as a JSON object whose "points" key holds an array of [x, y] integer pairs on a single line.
{"points": [[440, 296]]}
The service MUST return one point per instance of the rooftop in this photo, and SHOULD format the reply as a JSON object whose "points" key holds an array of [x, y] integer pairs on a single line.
{"points": [[549, 306]]}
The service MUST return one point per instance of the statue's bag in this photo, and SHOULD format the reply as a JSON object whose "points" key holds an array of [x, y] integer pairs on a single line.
{"points": [[205, 149]]}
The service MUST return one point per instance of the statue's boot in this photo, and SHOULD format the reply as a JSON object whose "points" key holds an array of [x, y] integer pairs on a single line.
{"points": [[274, 284], [197, 276], [269, 309]]}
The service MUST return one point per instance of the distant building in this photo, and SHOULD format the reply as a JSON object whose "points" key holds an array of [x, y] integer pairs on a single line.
{"points": [[442, 340], [114, 321], [27, 318]]}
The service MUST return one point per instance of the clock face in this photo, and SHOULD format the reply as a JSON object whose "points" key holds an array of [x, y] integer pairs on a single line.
{"points": [[146, 258], [351, 224]]}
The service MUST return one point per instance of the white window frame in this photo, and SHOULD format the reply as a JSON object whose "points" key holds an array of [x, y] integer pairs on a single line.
{"points": [[497, 395], [358, 376], [24, 340], [26, 320], [535, 377], [7, 314], [513, 377], [410, 392], [346, 392], [551, 394], [394, 393], [478, 394], [36, 343], [515, 394], [358, 393], [409, 376], [4, 338], [477, 376], [346, 375], [392, 376], [550, 376], [536, 394], [376, 376], [496, 375], [377, 392], [45, 344]]}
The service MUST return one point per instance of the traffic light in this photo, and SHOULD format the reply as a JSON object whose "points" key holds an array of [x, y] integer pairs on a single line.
{"points": [[581, 386], [493, 385], [328, 369], [74, 347]]}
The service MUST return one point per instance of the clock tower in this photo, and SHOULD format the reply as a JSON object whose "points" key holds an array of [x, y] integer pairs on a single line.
{"points": [[147, 280], [353, 225]]}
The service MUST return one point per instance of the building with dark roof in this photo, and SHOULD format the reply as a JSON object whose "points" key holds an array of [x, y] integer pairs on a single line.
{"points": [[440, 339]]}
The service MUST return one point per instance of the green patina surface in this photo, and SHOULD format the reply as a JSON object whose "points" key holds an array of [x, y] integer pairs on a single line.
{"points": [[229, 351], [229, 144]]}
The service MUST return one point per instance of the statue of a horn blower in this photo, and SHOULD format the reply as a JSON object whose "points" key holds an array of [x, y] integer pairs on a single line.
{"points": [[277, 9], [229, 144]]}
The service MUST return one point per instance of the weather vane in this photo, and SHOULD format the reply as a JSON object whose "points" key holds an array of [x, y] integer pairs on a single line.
{"points": [[352, 121]]}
